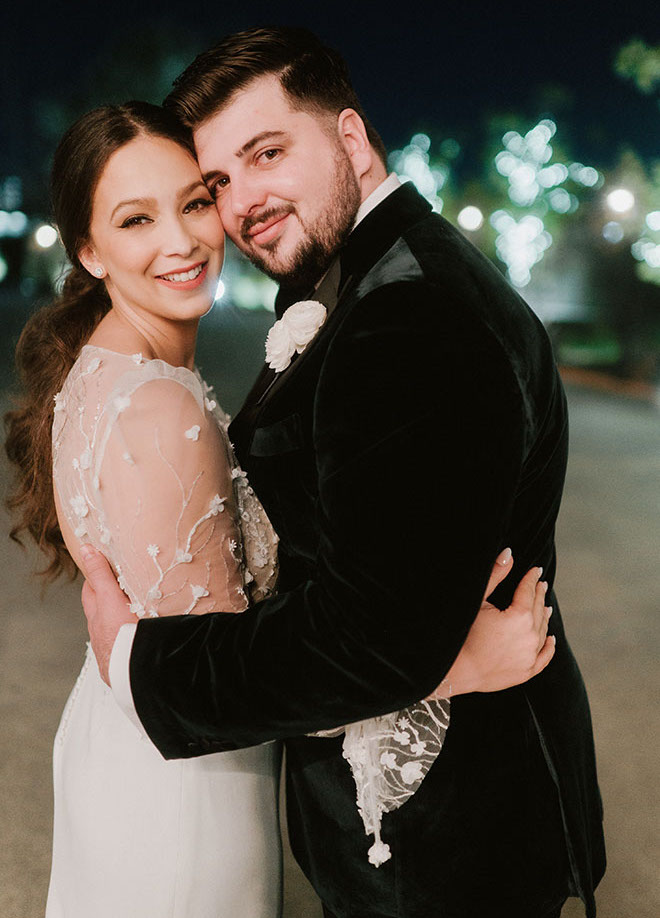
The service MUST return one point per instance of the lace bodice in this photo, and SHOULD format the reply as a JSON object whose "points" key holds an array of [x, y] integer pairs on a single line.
{"points": [[144, 471]]}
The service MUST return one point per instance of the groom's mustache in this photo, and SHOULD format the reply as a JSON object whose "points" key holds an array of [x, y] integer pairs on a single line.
{"points": [[266, 216]]}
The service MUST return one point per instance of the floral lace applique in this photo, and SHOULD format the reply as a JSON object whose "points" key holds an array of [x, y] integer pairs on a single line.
{"points": [[390, 756], [180, 525]]}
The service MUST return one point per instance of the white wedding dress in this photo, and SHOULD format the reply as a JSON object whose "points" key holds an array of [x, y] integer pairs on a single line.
{"points": [[144, 471]]}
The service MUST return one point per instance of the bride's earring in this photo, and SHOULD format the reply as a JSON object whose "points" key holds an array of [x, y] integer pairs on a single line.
{"points": [[98, 272]]}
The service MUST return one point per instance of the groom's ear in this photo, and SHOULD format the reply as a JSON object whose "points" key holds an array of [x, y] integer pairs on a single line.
{"points": [[353, 136]]}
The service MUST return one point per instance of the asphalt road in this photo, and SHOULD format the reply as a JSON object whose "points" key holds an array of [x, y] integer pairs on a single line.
{"points": [[608, 584]]}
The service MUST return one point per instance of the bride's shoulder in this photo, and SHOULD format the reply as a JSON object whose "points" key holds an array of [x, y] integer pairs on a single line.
{"points": [[97, 364], [102, 373], [104, 384]]}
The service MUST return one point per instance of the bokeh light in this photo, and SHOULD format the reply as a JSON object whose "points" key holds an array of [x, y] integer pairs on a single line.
{"points": [[613, 232], [520, 244], [13, 223], [653, 220], [413, 163], [621, 200], [535, 183], [470, 218], [45, 236]]}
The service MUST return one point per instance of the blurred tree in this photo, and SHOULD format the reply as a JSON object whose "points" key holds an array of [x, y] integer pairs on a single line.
{"points": [[640, 62], [539, 187]]}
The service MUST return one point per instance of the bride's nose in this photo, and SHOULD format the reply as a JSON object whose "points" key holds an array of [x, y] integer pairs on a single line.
{"points": [[177, 239]]}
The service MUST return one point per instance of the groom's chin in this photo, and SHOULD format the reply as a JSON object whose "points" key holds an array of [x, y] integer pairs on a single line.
{"points": [[301, 271]]}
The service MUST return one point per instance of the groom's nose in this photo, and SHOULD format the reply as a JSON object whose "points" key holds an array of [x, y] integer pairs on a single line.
{"points": [[247, 195]]}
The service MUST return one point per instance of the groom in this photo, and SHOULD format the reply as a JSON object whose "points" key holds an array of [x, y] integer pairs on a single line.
{"points": [[422, 428]]}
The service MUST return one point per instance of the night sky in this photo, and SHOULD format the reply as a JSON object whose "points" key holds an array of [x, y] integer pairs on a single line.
{"points": [[437, 66]]}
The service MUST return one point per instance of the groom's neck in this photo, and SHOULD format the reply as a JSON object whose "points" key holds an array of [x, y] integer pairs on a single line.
{"points": [[372, 179]]}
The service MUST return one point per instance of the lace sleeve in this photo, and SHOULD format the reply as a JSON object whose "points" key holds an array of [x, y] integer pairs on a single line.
{"points": [[169, 509], [389, 757], [151, 481]]}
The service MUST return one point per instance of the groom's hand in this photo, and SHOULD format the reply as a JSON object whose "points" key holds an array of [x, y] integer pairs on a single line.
{"points": [[107, 608]]}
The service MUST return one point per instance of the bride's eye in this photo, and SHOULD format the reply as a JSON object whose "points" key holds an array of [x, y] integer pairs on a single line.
{"points": [[134, 221], [198, 204]]}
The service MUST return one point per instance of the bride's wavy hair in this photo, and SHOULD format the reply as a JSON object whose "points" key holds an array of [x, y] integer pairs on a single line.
{"points": [[314, 77], [53, 335]]}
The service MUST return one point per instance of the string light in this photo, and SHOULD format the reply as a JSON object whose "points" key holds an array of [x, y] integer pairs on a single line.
{"points": [[534, 183], [413, 163]]}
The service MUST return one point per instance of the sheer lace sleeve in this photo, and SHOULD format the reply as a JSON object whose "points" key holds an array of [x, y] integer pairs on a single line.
{"points": [[389, 757], [144, 471]]}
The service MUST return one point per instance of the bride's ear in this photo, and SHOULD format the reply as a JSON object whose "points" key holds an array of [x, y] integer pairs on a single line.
{"points": [[90, 262]]}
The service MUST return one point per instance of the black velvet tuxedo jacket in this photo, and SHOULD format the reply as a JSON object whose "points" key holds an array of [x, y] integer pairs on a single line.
{"points": [[423, 430]]}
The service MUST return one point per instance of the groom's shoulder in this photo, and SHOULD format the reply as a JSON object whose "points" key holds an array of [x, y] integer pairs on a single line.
{"points": [[451, 262], [432, 280], [431, 263]]}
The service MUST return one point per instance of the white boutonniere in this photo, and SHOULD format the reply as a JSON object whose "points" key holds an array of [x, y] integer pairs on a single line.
{"points": [[292, 333]]}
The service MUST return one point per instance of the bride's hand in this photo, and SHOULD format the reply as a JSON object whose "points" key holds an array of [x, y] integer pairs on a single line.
{"points": [[105, 605], [506, 648]]}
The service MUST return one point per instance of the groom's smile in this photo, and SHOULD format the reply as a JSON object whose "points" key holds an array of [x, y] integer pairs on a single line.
{"points": [[285, 184], [263, 229]]}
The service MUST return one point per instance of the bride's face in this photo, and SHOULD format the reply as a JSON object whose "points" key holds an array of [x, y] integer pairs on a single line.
{"points": [[155, 233]]}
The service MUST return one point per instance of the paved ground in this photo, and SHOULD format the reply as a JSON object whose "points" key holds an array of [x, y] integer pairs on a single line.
{"points": [[609, 586]]}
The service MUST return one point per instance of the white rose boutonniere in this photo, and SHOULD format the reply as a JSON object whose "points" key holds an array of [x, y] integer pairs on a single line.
{"points": [[292, 333]]}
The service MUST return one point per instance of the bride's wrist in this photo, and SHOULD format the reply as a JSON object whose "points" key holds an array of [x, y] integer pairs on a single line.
{"points": [[463, 677]]}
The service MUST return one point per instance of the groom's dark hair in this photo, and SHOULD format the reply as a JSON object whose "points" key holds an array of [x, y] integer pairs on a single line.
{"points": [[314, 77]]}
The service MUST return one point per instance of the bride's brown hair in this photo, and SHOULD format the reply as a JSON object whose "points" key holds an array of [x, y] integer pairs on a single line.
{"points": [[53, 336]]}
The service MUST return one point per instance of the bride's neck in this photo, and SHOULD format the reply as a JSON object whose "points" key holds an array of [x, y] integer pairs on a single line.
{"points": [[129, 332]]}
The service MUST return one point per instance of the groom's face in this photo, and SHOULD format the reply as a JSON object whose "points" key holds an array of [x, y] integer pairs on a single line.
{"points": [[283, 181]]}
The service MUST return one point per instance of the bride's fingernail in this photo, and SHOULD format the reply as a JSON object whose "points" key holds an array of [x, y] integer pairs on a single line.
{"points": [[548, 611], [540, 570], [505, 557], [86, 551]]}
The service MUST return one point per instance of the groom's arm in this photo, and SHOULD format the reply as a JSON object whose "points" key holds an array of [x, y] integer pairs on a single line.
{"points": [[409, 534]]}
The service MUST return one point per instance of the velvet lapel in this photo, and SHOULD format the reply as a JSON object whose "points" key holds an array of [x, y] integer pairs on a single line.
{"points": [[365, 246], [377, 233]]}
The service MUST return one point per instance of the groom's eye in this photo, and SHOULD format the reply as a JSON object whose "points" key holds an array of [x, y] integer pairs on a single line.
{"points": [[271, 154], [217, 185]]}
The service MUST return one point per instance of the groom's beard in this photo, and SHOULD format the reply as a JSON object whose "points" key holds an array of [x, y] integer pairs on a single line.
{"points": [[323, 235]]}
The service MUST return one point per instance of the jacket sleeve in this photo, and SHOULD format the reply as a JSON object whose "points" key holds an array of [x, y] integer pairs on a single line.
{"points": [[419, 436]]}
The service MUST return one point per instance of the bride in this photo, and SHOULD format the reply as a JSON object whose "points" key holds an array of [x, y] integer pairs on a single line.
{"points": [[143, 470]]}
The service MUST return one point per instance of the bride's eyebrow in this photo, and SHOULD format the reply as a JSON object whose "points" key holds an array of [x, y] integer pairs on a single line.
{"points": [[193, 186], [134, 202], [151, 202]]}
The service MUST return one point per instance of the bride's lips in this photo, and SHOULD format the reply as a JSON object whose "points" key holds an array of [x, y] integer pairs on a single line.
{"points": [[188, 284], [263, 233]]}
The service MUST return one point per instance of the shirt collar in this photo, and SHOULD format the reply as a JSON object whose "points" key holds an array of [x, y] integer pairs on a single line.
{"points": [[329, 283], [386, 187]]}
